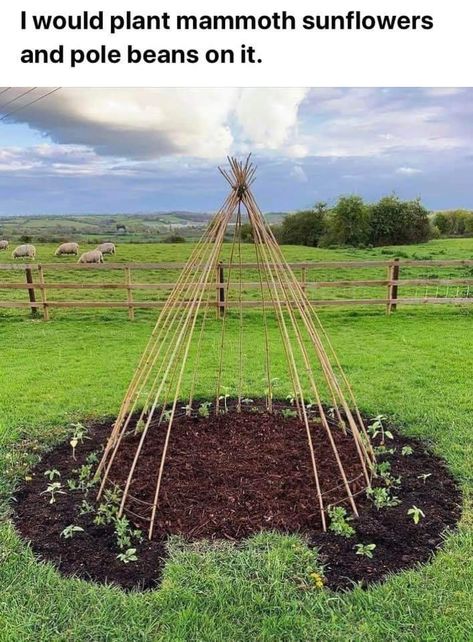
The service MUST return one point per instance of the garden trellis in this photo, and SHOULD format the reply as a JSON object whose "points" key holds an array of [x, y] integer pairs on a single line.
{"points": [[169, 370]]}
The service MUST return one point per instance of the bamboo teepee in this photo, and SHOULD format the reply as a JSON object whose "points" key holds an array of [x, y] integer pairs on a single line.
{"points": [[170, 368]]}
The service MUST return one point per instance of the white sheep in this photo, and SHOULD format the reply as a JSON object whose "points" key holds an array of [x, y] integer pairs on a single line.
{"points": [[106, 248], [3, 245], [94, 256], [24, 251], [67, 248]]}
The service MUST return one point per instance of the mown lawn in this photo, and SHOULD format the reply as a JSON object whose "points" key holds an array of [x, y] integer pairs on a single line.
{"points": [[415, 366]]}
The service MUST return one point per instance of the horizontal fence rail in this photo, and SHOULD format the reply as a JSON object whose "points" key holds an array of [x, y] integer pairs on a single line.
{"points": [[35, 285]]}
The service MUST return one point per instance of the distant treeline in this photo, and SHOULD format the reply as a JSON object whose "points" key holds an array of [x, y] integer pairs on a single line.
{"points": [[390, 221], [454, 223]]}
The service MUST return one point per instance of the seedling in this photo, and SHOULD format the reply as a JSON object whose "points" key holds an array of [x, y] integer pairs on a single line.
{"points": [[406, 451], [224, 398], [383, 469], [92, 458], [416, 514], [188, 409], [51, 474], [377, 427], [424, 476], [86, 508], [382, 450], [247, 401], [124, 533], [128, 556], [69, 531], [204, 409], [85, 481], [55, 488], [166, 416], [287, 413], [78, 436], [140, 426], [382, 498], [339, 521], [365, 549], [108, 510]]}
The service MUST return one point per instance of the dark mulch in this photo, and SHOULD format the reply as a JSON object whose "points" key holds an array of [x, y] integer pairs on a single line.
{"points": [[232, 476]]}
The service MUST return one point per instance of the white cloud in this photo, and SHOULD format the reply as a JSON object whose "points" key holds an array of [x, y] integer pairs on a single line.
{"points": [[152, 123], [408, 171], [268, 116]]}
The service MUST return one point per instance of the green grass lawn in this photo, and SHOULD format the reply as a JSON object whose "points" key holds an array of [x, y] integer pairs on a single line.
{"points": [[415, 366]]}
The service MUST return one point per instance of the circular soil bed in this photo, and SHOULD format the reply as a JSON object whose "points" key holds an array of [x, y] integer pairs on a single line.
{"points": [[229, 477]]}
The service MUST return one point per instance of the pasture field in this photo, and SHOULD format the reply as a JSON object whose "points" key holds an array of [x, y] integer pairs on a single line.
{"points": [[164, 253], [414, 366]]}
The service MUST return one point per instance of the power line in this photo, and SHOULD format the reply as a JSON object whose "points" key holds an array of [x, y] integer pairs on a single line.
{"points": [[4, 90], [30, 103], [28, 91]]}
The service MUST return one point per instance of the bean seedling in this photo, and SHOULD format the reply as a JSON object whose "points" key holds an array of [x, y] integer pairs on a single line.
{"points": [[204, 409], [128, 556], [365, 549], [424, 476], [377, 427], [78, 436], [55, 488], [69, 531], [339, 521], [382, 498], [416, 514], [287, 413], [51, 474]]}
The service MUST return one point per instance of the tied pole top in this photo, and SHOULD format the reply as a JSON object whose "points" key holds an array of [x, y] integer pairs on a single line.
{"points": [[240, 176]]}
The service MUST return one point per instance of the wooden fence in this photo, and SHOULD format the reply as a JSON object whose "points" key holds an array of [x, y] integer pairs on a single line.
{"points": [[391, 290]]}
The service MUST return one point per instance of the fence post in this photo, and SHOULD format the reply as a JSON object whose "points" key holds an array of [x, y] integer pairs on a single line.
{"points": [[31, 292], [220, 290], [43, 293], [393, 275], [129, 294]]}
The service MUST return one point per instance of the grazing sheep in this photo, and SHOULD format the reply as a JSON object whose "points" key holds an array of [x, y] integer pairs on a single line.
{"points": [[3, 245], [24, 251], [106, 248], [67, 248], [94, 256]]}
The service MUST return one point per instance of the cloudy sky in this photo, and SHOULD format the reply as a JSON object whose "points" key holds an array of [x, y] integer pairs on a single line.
{"points": [[130, 150]]}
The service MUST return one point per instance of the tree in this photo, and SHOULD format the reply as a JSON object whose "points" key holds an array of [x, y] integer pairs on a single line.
{"points": [[174, 238], [304, 228], [441, 221], [349, 222], [418, 224], [246, 233], [394, 222], [454, 222]]}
